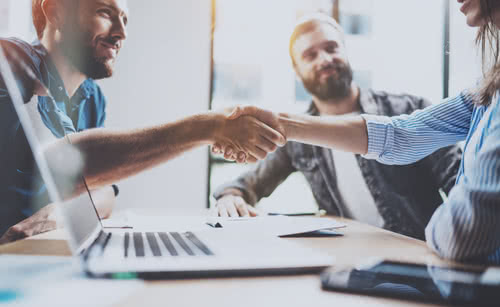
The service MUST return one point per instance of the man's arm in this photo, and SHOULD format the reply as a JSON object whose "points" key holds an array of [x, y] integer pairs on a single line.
{"points": [[348, 133], [397, 140], [109, 156], [46, 219], [237, 197]]}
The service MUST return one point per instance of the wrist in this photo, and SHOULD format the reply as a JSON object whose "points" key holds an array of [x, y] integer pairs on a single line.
{"points": [[230, 192], [289, 124], [208, 127], [50, 212], [214, 126]]}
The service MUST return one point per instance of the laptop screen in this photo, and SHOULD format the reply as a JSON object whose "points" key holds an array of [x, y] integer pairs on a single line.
{"points": [[59, 164]]}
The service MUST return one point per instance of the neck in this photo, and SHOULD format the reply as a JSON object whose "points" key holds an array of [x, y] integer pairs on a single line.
{"points": [[339, 106], [71, 77]]}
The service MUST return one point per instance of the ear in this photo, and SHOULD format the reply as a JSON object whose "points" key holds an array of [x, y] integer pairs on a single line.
{"points": [[52, 9]]}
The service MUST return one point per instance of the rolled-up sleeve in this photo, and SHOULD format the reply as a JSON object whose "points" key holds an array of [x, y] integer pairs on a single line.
{"points": [[406, 139]]}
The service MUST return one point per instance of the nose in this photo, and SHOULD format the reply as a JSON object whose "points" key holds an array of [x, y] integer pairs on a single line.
{"points": [[324, 57], [119, 30]]}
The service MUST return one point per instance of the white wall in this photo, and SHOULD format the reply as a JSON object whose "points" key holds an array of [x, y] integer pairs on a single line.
{"points": [[163, 74], [407, 53], [465, 60]]}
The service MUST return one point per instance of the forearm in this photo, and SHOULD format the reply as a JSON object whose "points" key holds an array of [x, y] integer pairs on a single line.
{"points": [[262, 179], [104, 200], [347, 133], [110, 156]]}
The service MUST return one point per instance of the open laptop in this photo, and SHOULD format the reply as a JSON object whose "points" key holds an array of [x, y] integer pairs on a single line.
{"points": [[128, 253]]}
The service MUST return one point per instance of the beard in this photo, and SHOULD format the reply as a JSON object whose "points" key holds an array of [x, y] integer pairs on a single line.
{"points": [[334, 86], [76, 45]]}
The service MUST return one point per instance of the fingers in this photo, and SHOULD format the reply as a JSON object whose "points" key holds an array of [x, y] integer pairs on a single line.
{"points": [[239, 111], [266, 145], [228, 153], [233, 206], [252, 159], [252, 211], [271, 134], [241, 206], [216, 148]]}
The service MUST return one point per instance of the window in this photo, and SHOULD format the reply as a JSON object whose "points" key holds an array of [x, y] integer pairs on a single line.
{"points": [[390, 48], [15, 19], [251, 65]]}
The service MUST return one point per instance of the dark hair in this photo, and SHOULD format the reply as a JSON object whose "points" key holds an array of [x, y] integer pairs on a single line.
{"points": [[38, 16], [488, 40], [309, 23]]}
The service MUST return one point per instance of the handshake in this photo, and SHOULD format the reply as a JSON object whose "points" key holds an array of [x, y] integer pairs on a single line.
{"points": [[249, 134]]}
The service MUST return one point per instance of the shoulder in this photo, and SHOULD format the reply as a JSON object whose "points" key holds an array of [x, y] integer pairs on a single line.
{"points": [[398, 103], [16, 49]]}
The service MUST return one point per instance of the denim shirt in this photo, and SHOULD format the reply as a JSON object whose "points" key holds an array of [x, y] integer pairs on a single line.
{"points": [[405, 196], [21, 191]]}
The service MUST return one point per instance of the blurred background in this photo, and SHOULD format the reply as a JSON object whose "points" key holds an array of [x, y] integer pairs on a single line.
{"points": [[187, 56]]}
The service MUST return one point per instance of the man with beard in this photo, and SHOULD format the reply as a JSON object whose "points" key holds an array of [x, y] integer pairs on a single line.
{"points": [[78, 42], [398, 198]]}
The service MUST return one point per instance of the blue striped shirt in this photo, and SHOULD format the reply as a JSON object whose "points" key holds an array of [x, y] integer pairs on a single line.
{"points": [[467, 226]]}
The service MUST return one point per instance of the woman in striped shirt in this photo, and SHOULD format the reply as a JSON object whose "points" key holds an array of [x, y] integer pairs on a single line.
{"points": [[466, 227]]}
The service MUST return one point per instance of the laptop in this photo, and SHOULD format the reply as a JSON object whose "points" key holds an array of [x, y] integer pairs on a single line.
{"points": [[128, 253]]}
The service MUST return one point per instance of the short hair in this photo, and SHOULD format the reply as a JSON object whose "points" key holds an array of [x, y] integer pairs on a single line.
{"points": [[38, 16], [309, 23]]}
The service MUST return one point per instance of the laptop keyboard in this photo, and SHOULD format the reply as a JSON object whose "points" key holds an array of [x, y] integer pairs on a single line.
{"points": [[158, 244]]}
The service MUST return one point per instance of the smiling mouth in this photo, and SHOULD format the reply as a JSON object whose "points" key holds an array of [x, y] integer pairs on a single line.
{"points": [[327, 72]]}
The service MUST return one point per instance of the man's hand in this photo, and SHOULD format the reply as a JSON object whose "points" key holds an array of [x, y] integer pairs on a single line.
{"points": [[233, 206], [45, 219], [267, 117], [42, 221], [248, 135]]}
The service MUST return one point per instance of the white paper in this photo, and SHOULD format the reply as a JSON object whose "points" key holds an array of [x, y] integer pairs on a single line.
{"points": [[491, 276], [276, 225], [142, 222], [270, 225]]}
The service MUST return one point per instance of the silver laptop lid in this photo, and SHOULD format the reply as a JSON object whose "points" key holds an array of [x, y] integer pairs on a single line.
{"points": [[59, 163]]}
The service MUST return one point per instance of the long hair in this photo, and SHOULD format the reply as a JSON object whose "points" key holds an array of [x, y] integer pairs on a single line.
{"points": [[488, 40]]}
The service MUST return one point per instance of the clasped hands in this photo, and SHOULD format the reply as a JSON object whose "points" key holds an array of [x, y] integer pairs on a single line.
{"points": [[250, 133]]}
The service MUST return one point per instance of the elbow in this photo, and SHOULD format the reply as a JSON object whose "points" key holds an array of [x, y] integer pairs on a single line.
{"points": [[466, 249]]}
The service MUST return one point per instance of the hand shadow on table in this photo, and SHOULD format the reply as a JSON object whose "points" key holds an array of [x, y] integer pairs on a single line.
{"points": [[316, 234]]}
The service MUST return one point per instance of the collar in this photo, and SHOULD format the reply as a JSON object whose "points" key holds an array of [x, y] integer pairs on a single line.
{"points": [[52, 80], [366, 102]]}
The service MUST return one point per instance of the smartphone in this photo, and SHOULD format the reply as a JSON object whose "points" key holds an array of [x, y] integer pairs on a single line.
{"points": [[410, 281]]}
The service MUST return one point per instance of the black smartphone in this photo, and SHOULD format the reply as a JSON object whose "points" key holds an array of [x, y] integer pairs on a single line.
{"points": [[428, 283]]}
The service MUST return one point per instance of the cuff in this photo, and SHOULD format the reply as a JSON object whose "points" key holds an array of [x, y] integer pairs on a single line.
{"points": [[379, 135]]}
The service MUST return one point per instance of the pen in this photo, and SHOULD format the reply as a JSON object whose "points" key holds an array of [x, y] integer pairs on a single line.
{"points": [[318, 213]]}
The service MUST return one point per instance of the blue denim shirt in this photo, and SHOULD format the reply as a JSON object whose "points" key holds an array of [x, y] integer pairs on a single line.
{"points": [[21, 192]]}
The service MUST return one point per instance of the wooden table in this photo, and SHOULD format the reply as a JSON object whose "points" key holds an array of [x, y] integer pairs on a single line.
{"points": [[359, 243]]}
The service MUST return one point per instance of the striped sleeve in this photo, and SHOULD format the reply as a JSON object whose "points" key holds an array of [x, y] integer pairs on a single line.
{"points": [[406, 139], [467, 226]]}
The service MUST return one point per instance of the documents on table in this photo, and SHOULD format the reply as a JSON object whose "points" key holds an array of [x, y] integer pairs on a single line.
{"points": [[274, 225]]}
